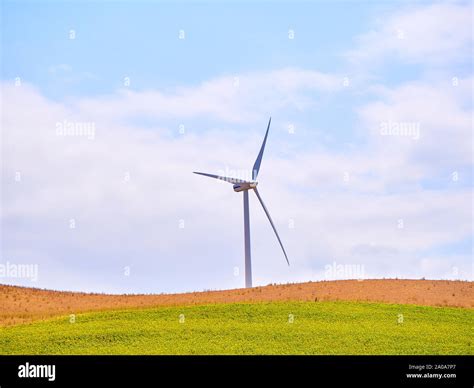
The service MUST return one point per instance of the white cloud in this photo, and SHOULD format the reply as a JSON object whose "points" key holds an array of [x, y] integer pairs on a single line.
{"points": [[441, 115], [433, 34], [234, 98], [135, 222]]}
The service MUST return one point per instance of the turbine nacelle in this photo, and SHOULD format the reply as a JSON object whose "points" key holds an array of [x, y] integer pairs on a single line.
{"points": [[238, 187]]}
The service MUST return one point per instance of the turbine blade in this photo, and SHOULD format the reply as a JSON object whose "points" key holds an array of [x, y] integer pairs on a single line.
{"points": [[256, 166], [271, 222], [223, 178]]}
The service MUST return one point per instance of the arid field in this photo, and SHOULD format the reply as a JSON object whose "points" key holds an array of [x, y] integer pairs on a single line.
{"points": [[22, 305]]}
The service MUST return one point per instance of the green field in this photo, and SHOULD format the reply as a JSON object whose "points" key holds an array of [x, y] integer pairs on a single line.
{"points": [[259, 328]]}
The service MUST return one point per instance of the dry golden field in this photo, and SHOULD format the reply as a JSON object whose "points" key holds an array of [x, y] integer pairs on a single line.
{"points": [[21, 305]]}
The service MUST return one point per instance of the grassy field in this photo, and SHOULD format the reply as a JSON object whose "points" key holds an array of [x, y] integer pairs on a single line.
{"points": [[253, 328]]}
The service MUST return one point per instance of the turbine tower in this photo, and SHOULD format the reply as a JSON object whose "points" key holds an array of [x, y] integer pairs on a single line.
{"points": [[245, 186]]}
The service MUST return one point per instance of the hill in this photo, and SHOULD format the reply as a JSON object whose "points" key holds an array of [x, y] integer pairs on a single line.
{"points": [[251, 328], [22, 305]]}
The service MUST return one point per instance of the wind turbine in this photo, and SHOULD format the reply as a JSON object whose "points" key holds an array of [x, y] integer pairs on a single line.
{"points": [[245, 186]]}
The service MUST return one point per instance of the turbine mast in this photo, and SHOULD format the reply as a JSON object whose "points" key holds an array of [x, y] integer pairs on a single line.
{"points": [[248, 260]]}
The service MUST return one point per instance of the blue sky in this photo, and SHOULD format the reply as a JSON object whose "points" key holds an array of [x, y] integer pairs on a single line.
{"points": [[140, 40], [351, 69]]}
